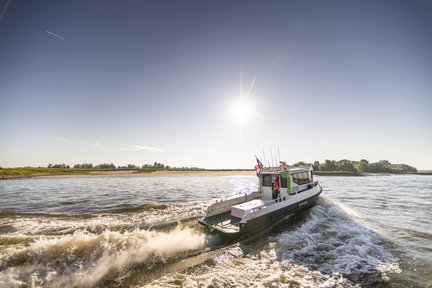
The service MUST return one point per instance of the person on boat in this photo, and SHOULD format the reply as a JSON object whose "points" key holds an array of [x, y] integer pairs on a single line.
{"points": [[276, 189]]}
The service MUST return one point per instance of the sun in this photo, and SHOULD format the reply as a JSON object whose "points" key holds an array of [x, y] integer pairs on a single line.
{"points": [[242, 109]]}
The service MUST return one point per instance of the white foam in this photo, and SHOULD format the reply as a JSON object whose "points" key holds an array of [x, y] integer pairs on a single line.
{"points": [[255, 270], [63, 225], [83, 259], [328, 249], [334, 243]]}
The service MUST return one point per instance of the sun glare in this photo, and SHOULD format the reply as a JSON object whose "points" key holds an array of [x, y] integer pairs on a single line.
{"points": [[242, 109]]}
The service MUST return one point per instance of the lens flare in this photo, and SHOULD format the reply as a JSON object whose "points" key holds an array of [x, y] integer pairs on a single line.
{"points": [[242, 109]]}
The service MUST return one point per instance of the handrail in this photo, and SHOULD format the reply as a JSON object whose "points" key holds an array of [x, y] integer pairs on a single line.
{"points": [[245, 191]]}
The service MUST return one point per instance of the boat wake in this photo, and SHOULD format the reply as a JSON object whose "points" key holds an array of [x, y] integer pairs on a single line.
{"points": [[84, 259], [323, 246], [333, 243], [83, 250]]}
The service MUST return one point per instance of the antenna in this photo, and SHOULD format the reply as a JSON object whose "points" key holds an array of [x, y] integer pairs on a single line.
{"points": [[278, 152], [264, 155], [271, 156]]}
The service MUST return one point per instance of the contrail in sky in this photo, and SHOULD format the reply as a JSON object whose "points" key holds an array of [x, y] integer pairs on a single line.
{"points": [[3, 10], [58, 36]]}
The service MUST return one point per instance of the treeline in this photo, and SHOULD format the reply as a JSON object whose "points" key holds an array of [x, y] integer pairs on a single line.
{"points": [[156, 166], [59, 166], [354, 167], [362, 166]]}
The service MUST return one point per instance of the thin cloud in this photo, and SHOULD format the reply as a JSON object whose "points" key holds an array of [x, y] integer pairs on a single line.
{"points": [[94, 144], [57, 36], [141, 148]]}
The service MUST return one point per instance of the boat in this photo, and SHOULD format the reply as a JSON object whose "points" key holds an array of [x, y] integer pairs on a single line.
{"points": [[283, 190]]}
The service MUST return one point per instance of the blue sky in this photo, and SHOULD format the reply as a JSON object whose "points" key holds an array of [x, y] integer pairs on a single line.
{"points": [[144, 81]]}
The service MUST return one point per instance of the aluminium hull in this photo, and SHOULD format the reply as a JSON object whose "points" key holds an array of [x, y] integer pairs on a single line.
{"points": [[269, 219]]}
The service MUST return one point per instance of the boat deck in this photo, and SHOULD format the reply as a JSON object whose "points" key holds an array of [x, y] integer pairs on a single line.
{"points": [[223, 222], [242, 209]]}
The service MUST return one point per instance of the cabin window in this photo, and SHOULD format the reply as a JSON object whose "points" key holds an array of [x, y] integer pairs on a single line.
{"points": [[301, 178], [283, 182], [267, 180]]}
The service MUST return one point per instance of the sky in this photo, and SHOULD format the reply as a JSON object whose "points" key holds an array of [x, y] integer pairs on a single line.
{"points": [[211, 84]]}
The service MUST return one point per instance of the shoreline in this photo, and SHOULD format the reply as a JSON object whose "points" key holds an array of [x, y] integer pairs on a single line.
{"points": [[133, 173], [189, 173]]}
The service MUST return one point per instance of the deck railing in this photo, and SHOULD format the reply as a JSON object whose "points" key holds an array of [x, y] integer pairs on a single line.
{"points": [[244, 192]]}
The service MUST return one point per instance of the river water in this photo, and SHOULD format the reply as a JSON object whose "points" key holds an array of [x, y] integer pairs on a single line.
{"points": [[370, 231]]}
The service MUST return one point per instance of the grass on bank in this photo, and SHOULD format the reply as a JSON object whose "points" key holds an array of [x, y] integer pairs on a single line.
{"points": [[11, 173], [27, 172]]}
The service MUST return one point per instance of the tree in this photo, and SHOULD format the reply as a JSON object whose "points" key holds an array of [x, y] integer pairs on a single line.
{"points": [[83, 166], [59, 166], [105, 166], [301, 163], [329, 165], [316, 166], [346, 165], [132, 166]]}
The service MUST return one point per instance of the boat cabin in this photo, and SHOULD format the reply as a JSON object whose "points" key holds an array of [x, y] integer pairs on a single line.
{"points": [[277, 184], [282, 190], [280, 182]]}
